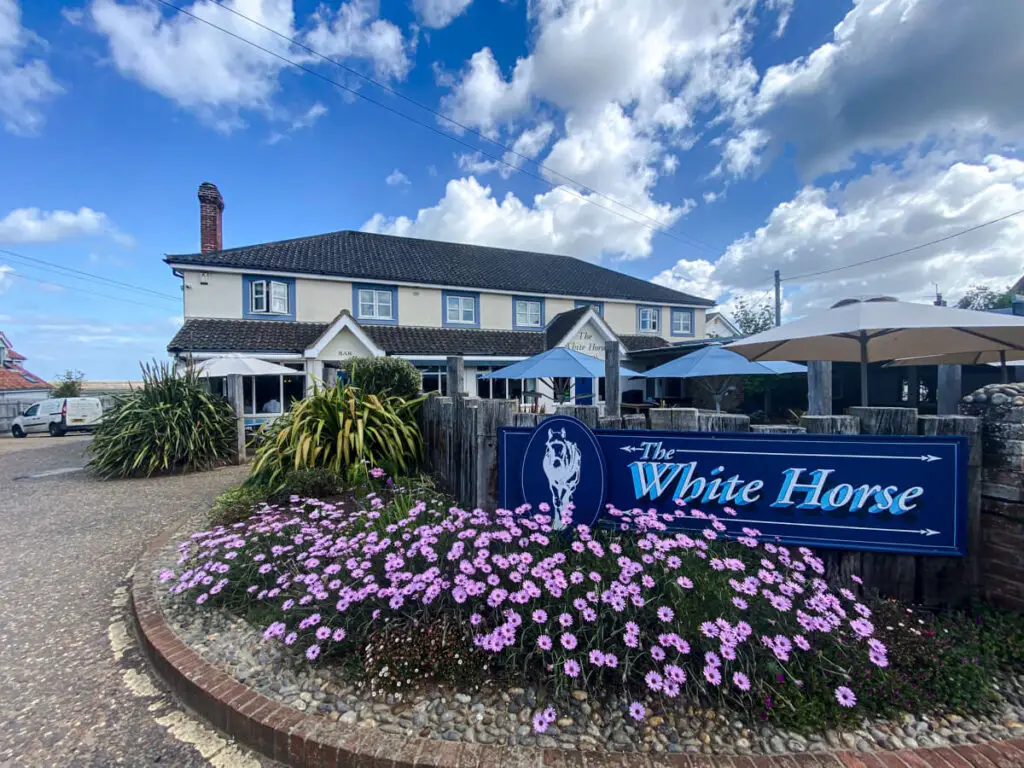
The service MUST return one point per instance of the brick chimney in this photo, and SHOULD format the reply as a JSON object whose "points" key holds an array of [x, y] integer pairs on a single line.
{"points": [[211, 212]]}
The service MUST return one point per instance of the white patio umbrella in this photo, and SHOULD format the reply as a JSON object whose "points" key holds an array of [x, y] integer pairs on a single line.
{"points": [[878, 329], [242, 366]]}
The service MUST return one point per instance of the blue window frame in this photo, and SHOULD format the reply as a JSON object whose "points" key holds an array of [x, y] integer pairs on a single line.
{"points": [[460, 309], [648, 319], [682, 322], [375, 304], [527, 313], [597, 305], [265, 297]]}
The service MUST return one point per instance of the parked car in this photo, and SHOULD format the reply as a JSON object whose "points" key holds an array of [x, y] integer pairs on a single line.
{"points": [[59, 416]]}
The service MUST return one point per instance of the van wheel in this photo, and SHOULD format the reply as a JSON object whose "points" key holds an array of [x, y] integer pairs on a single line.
{"points": [[17, 431], [56, 430]]}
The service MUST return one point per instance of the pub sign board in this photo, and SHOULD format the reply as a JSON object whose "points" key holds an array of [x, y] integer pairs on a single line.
{"points": [[899, 494]]}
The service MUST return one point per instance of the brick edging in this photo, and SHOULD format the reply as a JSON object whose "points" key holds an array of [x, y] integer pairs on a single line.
{"points": [[306, 741]]}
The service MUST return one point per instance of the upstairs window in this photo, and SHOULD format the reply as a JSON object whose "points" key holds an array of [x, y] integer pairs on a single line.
{"points": [[597, 306], [460, 310], [529, 313], [268, 297], [649, 319], [375, 304], [682, 322]]}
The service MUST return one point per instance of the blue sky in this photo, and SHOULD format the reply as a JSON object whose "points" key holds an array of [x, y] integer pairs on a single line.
{"points": [[730, 138]]}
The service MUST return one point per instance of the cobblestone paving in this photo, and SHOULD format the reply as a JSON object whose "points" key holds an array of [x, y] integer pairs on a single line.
{"points": [[74, 689]]}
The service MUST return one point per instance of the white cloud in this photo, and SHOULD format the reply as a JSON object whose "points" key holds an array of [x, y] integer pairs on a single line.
{"points": [[886, 210], [355, 31], [526, 146], [25, 83], [6, 270], [299, 122], [898, 72], [742, 152], [436, 14], [32, 225], [217, 77], [396, 179], [668, 57]]}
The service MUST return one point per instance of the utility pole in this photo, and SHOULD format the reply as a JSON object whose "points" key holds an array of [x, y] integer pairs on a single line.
{"points": [[778, 299]]}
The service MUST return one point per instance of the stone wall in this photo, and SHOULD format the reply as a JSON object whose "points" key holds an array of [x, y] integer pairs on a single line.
{"points": [[1001, 555]]}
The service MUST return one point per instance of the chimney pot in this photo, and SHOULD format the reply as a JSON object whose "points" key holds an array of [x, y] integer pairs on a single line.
{"points": [[211, 212]]}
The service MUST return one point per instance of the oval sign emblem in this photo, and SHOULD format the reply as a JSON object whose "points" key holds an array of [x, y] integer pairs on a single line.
{"points": [[563, 466]]}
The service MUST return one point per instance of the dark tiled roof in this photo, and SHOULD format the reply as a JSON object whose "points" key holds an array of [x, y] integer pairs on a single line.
{"points": [[635, 343], [368, 256], [203, 334], [215, 335], [405, 340], [561, 325]]}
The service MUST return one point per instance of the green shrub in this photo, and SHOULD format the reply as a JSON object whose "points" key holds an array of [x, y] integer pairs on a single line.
{"points": [[383, 375], [237, 504], [169, 424], [337, 428], [68, 384], [310, 482]]}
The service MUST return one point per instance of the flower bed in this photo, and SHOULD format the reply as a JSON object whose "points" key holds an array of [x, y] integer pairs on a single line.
{"points": [[637, 626]]}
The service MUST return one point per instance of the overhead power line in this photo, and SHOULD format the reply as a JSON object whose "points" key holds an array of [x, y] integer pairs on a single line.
{"points": [[657, 226], [81, 275], [71, 287], [905, 250]]}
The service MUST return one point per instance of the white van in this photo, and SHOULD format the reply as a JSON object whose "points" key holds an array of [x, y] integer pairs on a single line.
{"points": [[59, 416]]}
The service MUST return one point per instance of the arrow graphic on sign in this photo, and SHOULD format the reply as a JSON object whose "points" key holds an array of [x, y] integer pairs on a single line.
{"points": [[921, 531], [927, 458]]}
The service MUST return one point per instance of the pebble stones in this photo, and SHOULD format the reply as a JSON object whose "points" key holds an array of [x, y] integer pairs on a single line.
{"points": [[584, 721]]}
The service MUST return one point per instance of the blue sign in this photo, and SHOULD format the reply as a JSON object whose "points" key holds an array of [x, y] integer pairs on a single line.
{"points": [[858, 492]]}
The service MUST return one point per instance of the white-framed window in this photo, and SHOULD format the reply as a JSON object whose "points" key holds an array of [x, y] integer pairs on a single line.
{"points": [[375, 304], [279, 298], [268, 297], [682, 322], [258, 296], [460, 310], [528, 313], [648, 319]]}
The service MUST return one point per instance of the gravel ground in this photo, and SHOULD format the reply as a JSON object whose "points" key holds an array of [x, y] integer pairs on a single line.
{"points": [[74, 690], [504, 716]]}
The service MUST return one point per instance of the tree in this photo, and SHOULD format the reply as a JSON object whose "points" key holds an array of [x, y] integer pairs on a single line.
{"points": [[753, 318], [68, 384], [983, 298]]}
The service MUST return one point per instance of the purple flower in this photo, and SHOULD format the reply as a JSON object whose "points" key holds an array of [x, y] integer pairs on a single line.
{"points": [[653, 680], [540, 616], [568, 641], [323, 633], [338, 635], [675, 673], [565, 620], [290, 638], [665, 613], [312, 652], [741, 681], [597, 658], [713, 675], [475, 619], [740, 603], [611, 660], [637, 711], [571, 668], [544, 643], [845, 696], [657, 653], [878, 659], [539, 723]]}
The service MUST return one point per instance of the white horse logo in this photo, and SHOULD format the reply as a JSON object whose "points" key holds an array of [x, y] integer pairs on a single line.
{"points": [[562, 468]]}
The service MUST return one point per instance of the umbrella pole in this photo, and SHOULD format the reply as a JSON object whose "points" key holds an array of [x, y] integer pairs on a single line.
{"points": [[1004, 375], [863, 368]]}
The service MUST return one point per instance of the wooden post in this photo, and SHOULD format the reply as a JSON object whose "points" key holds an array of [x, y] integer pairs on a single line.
{"points": [[819, 388], [588, 414], [491, 414], [456, 376], [954, 581], [674, 419], [237, 400], [612, 382], [949, 389], [722, 422], [893, 575]]}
